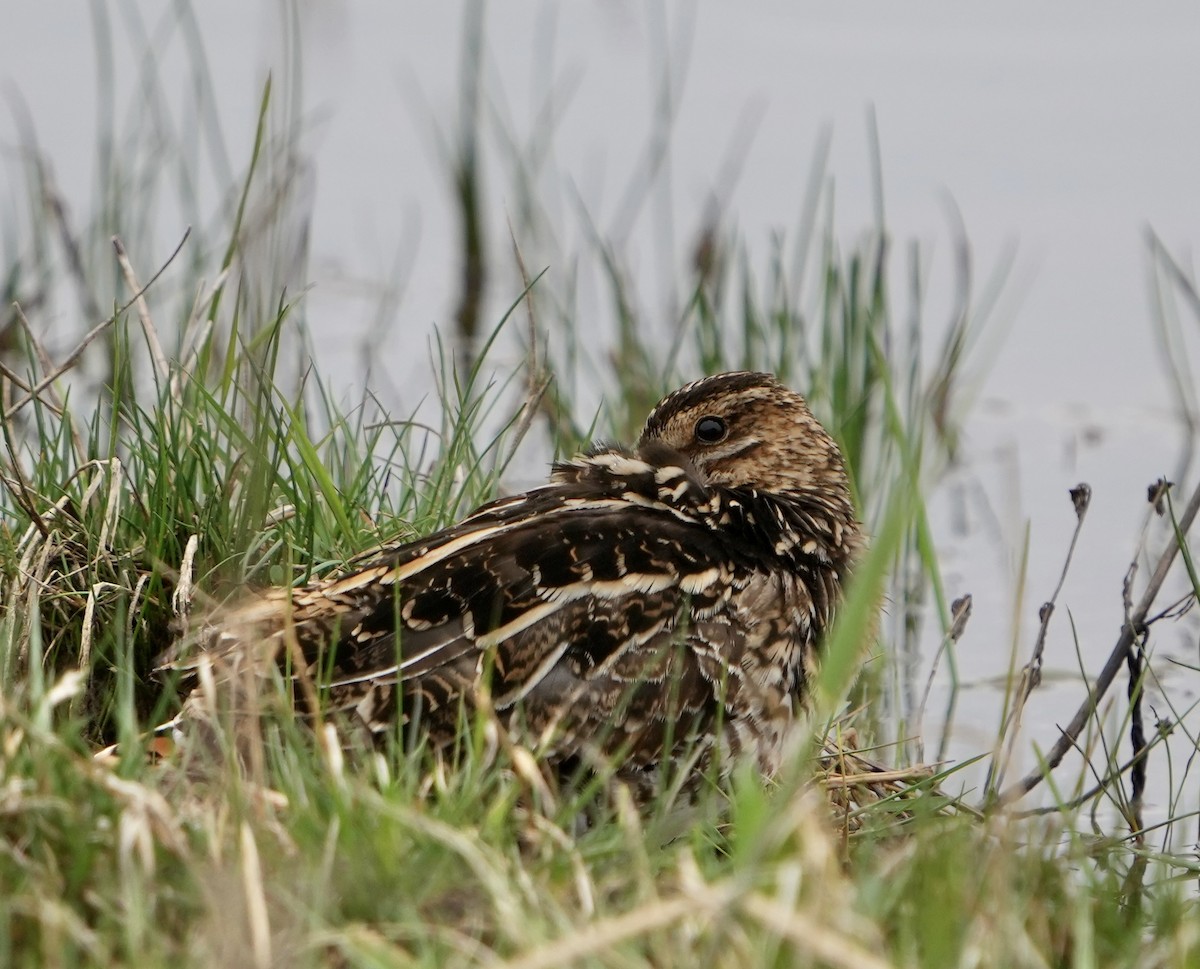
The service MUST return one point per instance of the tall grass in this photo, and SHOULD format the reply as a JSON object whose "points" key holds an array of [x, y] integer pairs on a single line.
{"points": [[141, 486]]}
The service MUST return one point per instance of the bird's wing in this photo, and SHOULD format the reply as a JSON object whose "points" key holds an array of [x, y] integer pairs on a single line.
{"points": [[542, 592]]}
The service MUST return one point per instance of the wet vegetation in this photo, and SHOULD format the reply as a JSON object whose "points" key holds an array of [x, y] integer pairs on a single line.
{"points": [[181, 444]]}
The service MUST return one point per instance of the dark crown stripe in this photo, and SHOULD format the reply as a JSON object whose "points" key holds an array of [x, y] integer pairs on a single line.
{"points": [[694, 393]]}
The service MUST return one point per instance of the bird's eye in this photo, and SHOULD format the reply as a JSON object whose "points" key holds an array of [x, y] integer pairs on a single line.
{"points": [[710, 430]]}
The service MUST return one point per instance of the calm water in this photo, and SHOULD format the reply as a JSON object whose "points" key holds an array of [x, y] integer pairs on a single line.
{"points": [[1065, 131]]}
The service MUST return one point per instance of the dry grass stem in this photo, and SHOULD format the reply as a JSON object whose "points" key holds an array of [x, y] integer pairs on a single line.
{"points": [[161, 367]]}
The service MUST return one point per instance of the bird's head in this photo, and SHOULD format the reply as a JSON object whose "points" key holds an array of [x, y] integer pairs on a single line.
{"points": [[748, 431]]}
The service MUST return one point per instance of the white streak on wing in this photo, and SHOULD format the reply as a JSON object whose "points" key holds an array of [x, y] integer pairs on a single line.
{"points": [[554, 599], [680, 489], [607, 589], [543, 668], [631, 643], [611, 588], [528, 618], [496, 636], [439, 553], [699, 581], [372, 674], [621, 464], [355, 580], [442, 552], [631, 498]]}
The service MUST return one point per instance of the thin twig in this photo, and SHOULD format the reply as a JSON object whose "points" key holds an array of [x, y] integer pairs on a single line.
{"points": [[16, 379], [1136, 662], [95, 331], [67, 364], [1176, 610], [1102, 785], [39, 351], [960, 612], [17, 486], [56, 404], [1031, 675], [143, 309], [537, 381], [1129, 633]]}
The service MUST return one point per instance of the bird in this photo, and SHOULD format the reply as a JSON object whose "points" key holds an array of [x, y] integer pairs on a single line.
{"points": [[646, 601]]}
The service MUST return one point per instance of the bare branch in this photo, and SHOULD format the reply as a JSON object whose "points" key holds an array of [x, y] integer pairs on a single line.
{"points": [[1116, 659]]}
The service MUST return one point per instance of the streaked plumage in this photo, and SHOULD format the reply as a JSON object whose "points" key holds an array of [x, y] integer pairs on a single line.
{"points": [[642, 598]]}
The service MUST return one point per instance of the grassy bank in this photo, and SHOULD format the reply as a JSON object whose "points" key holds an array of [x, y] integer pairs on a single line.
{"points": [[183, 446]]}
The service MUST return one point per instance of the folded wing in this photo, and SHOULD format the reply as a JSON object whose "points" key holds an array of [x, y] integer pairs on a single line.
{"points": [[584, 619]]}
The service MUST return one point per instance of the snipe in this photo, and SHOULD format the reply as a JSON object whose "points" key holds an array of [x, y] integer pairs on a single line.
{"points": [[642, 601]]}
